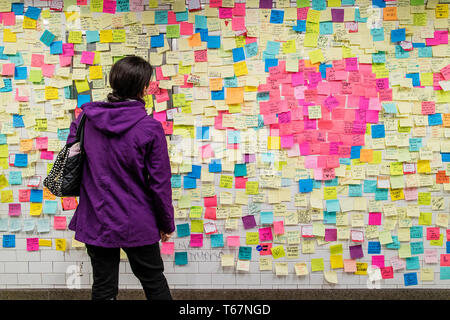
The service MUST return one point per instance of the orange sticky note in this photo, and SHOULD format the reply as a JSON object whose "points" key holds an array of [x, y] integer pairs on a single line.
{"points": [[366, 155], [390, 14], [215, 84], [234, 95], [446, 120], [195, 40]]}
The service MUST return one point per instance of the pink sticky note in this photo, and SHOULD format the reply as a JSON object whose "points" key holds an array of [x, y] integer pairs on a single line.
{"points": [[206, 151], [349, 265], [186, 28], [411, 194], [225, 13], [37, 60], [311, 162], [278, 227], [240, 182], [32, 244], [196, 240], [210, 201], [446, 72], [14, 209], [41, 143], [374, 218], [87, 57], [48, 70], [8, 69], [430, 256], [265, 234], [233, 241], [287, 141], [167, 247], [238, 23], [109, 6], [160, 116], [9, 18], [19, 98], [68, 49], [65, 61], [46, 155], [59, 223], [378, 261]]}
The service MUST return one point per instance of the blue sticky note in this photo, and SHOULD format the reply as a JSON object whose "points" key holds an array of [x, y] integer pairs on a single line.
{"points": [[202, 133], [213, 42], [161, 17], [435, 119], [400, 53], [326, 27], [417, 247], [374, 247], [82, 99], [301, 26], [333, 205], [415, 78], [92, 36], [245, 253], [21, 160], [398, 35], [15, 225], [379, 57], [416, 232], [175, 181], [182, 16], [3, 138], [370, 186], [276, 16], [189, 183], [7, 85], [215, 166], [217, 241], [203, 34], [377, 34], [355, 190], [329, 217], [395, 244], [233, 136], [389, 108], [50, 207], [20, 73], [230, 82], [200, 22], [251, 49], [240, 169], [270, 63], [47, 38], [381, 194], [410, 279], [323, 69], [18, 121], [218, 94], [196, 172], [319, 5], [181, 258], [29, 224], [444, 273], [447, 247], [56, 47], [122, 5], [378, 3], [33, 13], [305, 185], [412, 263], [43, 225], [183, 230], [63, 134], [273, 48], [425, 52], [238, 54], [17, 8], [415, 144], [445, 157], [15, 177], [317, 184], [355, 152], [378, 131], [157, 41], [332, 183], [266, 217], [9, 241], [36, 195]]}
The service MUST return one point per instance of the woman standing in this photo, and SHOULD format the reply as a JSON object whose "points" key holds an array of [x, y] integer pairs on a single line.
{"points": [[126, 197]]}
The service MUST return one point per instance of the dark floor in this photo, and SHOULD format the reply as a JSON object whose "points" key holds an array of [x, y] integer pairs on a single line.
{"points": [[208, 294]]}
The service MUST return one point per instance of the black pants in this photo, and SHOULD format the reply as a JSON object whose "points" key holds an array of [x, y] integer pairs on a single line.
{"points": [[147, 266]]}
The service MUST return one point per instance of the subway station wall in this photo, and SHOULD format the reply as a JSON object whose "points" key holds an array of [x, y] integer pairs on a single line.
{"points": [[309, 141]]}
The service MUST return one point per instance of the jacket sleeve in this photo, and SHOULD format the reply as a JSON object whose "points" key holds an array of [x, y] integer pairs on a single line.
{"points": [[73, 129], [158, 165]]}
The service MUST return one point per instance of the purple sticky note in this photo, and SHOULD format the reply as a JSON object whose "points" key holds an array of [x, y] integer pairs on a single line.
{"points": [[250, 158], [374, 218], [249, 222], [265, 4], [337, 15], [330, 234], [356, 252]]}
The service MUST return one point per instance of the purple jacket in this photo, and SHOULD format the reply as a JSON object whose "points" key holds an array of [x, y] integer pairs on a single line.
{"points": [[126, 195]]}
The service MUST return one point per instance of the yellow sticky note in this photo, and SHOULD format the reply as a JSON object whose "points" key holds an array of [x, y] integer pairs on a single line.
{"points": [[35, 208], [316, 56], [51, 93], [45, 242], [6, 196], [226, 181], [289, 46], [336, 261], [425, 218], [278, 252], [197, 226], [423, 166], [329, 193], [82, 85], [313, 16], [95, 72], [252, 187], [75, 37], [336, 249], [106, 36], [3, 181], [273, 143], [439, 242], [119, 35], [396, 168], [60, 244], [252, 238], [361, 268], [29, 23], [9, 36], [311, 39], [240, 68]]}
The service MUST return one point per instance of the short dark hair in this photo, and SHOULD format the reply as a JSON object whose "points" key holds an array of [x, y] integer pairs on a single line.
{"points": [[128, 78]]}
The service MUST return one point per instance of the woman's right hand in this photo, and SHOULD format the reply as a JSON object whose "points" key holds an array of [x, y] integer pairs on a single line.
{"points": [[165, 236]]}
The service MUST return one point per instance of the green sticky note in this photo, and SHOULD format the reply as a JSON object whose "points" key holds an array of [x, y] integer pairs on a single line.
{"points": [[302, 3], [196, 212], [417, 2], [173, 31], [425, 218], [36, 75], [197, 226], [317, 264], [336, 249]]}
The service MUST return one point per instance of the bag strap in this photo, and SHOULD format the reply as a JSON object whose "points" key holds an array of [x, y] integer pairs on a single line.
{"points": [[80, 131]]}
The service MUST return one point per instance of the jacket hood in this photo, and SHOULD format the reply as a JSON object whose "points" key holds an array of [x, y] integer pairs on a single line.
{"points": [[114, 117]]}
